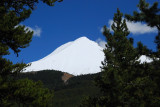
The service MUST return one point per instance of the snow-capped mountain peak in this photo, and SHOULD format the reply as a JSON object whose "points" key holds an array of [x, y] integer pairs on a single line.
{"points": [[82, 56]]}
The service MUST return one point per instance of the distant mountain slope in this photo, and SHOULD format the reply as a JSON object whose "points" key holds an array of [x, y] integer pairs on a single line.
{"points": [[51, 79], [69, 93], [77, 88], [81, 56]]}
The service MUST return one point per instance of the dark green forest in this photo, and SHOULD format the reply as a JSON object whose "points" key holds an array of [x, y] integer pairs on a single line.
{"points": [[51, 79], [69, 93]]}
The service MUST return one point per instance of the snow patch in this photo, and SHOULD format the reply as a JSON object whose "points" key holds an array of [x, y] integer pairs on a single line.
{"points": [[144, 58]]}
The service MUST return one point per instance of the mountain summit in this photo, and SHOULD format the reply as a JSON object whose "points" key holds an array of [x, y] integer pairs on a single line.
{"points": [[82, 56]]}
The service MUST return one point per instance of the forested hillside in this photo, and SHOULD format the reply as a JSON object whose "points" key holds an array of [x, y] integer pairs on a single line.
{"points": [[50, 79], [68, 93]]}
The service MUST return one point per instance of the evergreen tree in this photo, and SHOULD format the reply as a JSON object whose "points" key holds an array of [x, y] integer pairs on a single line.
{"points": [[31, 93], [151, 16], [15, 37], [119, 64], [125, 81]]}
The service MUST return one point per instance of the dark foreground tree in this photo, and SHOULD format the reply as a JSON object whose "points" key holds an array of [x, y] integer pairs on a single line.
{"points": [[117, 67], [25, 92], [15, 37], [31, 93], [151, 16], [125, 81], [120, 65]]}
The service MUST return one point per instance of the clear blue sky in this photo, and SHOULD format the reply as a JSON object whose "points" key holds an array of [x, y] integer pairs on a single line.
{"points": [[71, 19]]}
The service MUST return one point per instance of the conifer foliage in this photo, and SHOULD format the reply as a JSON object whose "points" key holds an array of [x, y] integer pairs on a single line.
{"points": [[125, 82], [119, 66], [15, 37], [148, 14]]}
